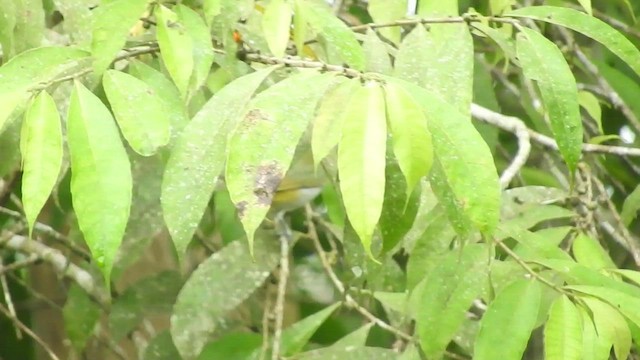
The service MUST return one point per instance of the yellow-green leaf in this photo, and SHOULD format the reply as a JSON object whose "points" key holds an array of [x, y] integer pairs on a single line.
{"points": [[611, 326], [563, 331], [588, 252], [361, 160], [384, 11], [543, 62], [176, 48], [41, 148], [140, 114], [100, 176], [276, 23]]}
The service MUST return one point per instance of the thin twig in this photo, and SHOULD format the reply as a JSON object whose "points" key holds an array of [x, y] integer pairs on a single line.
{"points": [[465, 18], [282, 286], [301, 63], [8, 299], [19, 324], [32, 259]]}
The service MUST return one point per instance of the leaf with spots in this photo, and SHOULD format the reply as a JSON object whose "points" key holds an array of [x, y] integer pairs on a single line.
{"points": [[362, 160], [176, 48], [198, 158], [100, 176], [543, 62], [262, 146], [200, 309]]}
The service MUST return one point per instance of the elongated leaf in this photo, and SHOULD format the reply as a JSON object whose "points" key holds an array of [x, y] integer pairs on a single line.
{"points": [[200, 43], [594, 347], [515, 309], [445, 295], [440, 61], [7, 25], [111, 24], [461, 151], [41, 148], [29, 25], [631, 206], [410, 136], [130, 97], [335, 32], [587, 25], [384, 11], [628, 305], [590, 253], [543, 62], [376, 54], [300, 27], [199, 310], [167, 94], [327, 125], [296, 336], [176, 48], [262, 147], [100, 176], [211, 8], [30, 69], [590, 103], [361, 161], [356, 338], [81, 315], [233, 346], [276, 23], [563, 331], [199, 155], [611, 326]]}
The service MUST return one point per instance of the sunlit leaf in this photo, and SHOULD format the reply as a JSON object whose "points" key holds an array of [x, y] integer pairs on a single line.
{"points": [[29, 27], [590, 103], [376, 54], [594, 346], [100, 176], [335, 32], [201, 45], [631, 206], [198, 158], [587, 25], [563, 331], [276, 23], [543, 62], [361, 160], [262, 146], [327, 125], [296, 336], [41, 148], [176, 48], [515, 309], [130, 97], [409, 134], [357, 338], [385, 11], [588, 252], [611, 326], [111, 24], [626, 304], [300, 27], [211, 9], [442, 300], [200, 310], [232, 346]]}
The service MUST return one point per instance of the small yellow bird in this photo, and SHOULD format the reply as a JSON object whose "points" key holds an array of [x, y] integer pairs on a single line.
{"points": [[300, 185]]}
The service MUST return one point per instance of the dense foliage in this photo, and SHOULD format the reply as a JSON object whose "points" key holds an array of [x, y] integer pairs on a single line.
{"points": [[297, 179]]}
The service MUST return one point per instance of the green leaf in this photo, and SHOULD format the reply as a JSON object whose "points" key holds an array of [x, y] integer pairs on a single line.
{"points": [[590, 103], [31, 69], [442, 299], [594, 347], [296, 336], [351, 353], [111, 24], [611, 327], [394, 301], [161, 348], [628, 305], [334, 31], [276, 23], [211, 8], [327, 125], [130, 97], [361, 161], [630, 207], [262, 147], [29, 25], [504, 41], [100, 176], [200, 310], [563, 331], [543, 62], [440, 61], [356, 338], [588, 252], [300, 27], [411, 139], [461, 151], [438, 8], [41, 148], [166, 92], [232, 346], [516, 309], [376, 54], [81, 314], [384, 11], [200, 43], [176, 48], [587, 25], [7, 26], [78, 20], [198, 157]]}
